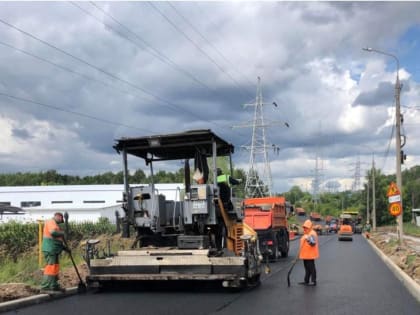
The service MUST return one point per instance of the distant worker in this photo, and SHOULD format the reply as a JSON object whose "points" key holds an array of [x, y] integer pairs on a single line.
{"points": [[224, 182], [52, 246], [309, 251], [367, 229]]}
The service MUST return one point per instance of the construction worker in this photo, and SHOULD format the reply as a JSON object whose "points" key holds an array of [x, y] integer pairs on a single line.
{"points": [[224, 182], [309, 251], [367, 229], [52, 246]]}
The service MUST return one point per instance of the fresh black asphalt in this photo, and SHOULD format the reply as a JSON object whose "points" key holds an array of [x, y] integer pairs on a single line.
{"points": [[352, 279]]}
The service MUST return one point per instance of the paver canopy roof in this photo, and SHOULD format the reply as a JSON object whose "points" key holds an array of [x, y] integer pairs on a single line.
{"points": [[176, 146], [4, 209]]}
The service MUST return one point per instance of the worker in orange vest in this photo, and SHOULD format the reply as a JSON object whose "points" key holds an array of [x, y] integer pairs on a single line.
{"points": [[309, 251], [52, 246]]}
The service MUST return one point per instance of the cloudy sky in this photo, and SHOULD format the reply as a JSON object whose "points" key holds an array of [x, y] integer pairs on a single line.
{"points": [[75, 76]]}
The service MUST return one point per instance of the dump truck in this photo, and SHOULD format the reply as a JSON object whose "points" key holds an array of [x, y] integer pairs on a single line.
{"points": [[268, 217], [300, 212], [315, 216], [196, 237]]}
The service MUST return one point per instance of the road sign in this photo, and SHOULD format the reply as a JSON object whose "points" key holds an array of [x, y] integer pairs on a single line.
{"points": [[395, 198], [395, 209], [393, 190]]}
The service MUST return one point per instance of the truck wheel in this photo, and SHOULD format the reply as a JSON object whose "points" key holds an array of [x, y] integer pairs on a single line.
{"points": [[285, 252], [284, 241], [276, 254]]}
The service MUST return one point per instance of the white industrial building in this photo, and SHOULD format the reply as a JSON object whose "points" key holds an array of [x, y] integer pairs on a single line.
{"points": [[82, 202]]}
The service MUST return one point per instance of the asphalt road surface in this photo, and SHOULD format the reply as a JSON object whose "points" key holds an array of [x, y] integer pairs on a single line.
{"points": [[352, 279]]}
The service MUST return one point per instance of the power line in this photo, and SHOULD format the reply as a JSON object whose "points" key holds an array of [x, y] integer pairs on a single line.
{"points": [[64, 68], [153, 51], [389, 144], [70, 111], [208, 42], [199, 48], [169, 104]]}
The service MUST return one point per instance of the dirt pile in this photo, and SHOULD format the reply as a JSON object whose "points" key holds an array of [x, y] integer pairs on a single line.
{"points": [[68, 278], [12, 291], [404, 255]]}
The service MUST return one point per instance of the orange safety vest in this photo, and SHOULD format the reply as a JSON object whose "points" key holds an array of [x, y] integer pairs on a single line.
{"points": [[307, 251], [49, 227]]}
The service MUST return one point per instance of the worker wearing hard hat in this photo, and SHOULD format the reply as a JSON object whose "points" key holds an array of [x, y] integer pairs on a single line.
{"points": [[52, 246], [309, 251]]}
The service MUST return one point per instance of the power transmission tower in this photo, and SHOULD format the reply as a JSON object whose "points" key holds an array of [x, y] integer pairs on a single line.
{"points": [[356, 181], [316, 182], [259, 180], [319, 167]]}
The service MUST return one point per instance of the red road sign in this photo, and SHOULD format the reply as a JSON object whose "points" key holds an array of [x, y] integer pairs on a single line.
{"points": [[395, 209]]}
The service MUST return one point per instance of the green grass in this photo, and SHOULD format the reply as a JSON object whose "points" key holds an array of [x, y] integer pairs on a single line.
{"points": [[19, 255], [411, 259], [24, 270], [411, 229], [292, 220]]}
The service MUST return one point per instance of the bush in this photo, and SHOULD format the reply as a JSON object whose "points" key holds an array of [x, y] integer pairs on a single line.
{"points": [[18, 238]]}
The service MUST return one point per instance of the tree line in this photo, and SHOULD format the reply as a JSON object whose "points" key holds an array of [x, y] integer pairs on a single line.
{"points": [[332, 203]]}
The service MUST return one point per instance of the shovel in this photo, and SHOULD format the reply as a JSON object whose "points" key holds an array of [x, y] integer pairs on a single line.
{"points": [[290, 270], [81, 287]]}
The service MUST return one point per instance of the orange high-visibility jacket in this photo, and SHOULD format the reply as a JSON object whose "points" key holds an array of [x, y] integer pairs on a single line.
{"points": [[307, 251], [52, 241]]}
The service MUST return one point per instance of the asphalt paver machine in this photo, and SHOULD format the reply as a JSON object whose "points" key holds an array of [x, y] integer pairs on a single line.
{"points": [[197, 237]]}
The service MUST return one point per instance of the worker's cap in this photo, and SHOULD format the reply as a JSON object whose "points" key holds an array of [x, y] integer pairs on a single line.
{"points": [[142, 196], [58, 214], [307, 224], [219, 171]]}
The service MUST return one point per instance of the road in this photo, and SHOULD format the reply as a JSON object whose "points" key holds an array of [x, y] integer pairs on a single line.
{"points": [[352, 279]]}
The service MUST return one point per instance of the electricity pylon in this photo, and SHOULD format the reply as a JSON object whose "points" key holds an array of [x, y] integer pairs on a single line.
{"points": [[259, 180]]}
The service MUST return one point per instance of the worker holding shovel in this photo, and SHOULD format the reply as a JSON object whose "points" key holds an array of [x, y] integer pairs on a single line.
{"points": [[52, 246], [309, 251]]}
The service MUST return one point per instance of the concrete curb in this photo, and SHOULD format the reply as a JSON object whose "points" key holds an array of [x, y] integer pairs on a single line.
{"points": [[32, 300], [412, 286]]}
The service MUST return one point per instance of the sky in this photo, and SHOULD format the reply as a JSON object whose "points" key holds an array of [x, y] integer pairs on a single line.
{"points": [[76, 76]]}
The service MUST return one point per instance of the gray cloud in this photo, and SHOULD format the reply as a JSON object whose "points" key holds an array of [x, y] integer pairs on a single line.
{"points": [[104, 86], [21, 133], [382, 95]]}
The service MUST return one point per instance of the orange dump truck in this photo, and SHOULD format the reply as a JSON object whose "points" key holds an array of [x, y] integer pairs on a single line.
{"points": [[315, 216], [268, 217], [300, 211]]}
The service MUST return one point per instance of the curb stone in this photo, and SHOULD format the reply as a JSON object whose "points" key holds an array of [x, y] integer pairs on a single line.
{"points": [[36, 299], [412, 286]]}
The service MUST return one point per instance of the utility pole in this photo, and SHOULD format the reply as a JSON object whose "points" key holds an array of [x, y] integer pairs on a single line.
{"points": [[367, 201], [399, 153], [373, 195], [398, 149]]}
